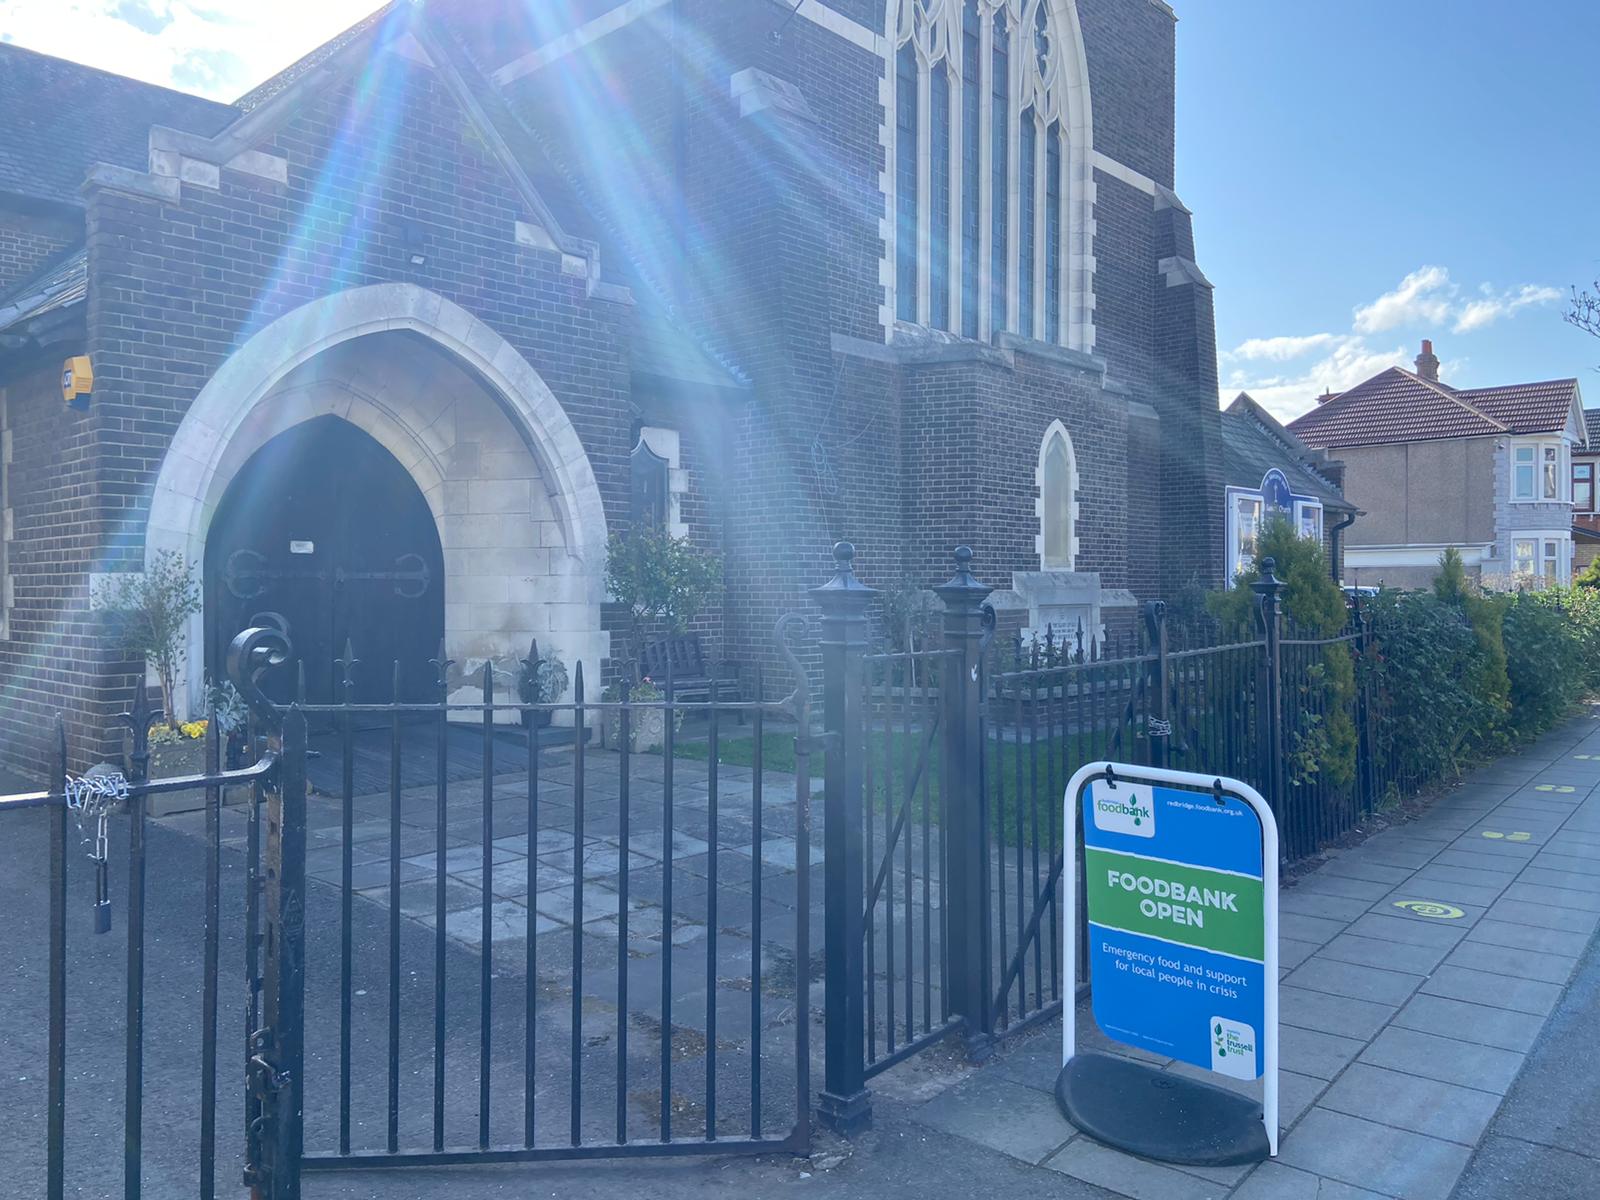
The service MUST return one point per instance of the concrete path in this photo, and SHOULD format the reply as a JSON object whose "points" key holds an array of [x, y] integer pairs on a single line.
{"points": [[1418, 972], [1542, 1142]]}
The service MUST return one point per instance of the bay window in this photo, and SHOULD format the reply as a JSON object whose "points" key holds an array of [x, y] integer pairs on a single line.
{"points": [[1523, 552], [1536, 471]]}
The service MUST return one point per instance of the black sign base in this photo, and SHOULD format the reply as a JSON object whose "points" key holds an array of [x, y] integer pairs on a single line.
{"points": [[1158, 1115]]}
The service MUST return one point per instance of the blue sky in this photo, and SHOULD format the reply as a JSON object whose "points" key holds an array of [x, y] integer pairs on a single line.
{"points": [[1364, 174], [1331, 152]]}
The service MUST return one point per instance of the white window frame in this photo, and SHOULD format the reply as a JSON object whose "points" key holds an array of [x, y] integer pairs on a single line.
{"points": [[1532, 493], [1057, 430], [1531, 558], [1542, 451], [1550, 560], [1237, 498], [1303, 509]]}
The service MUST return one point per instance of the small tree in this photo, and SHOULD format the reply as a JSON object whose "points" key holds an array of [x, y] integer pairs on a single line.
{"points": [[1316, 604], [659, 578], [153, 610]]}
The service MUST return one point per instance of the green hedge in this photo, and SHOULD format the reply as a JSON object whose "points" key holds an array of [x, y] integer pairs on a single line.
{"points": [[1459, 675]]}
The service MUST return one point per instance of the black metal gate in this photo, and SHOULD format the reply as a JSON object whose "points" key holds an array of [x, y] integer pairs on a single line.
{"points": [[633, 978]]}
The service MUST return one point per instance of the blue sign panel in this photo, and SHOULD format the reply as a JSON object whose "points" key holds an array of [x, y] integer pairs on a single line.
{"points": [[1178, 923]]}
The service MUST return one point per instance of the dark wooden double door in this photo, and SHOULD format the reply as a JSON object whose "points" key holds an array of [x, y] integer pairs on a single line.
{"points": [[324, 534]]}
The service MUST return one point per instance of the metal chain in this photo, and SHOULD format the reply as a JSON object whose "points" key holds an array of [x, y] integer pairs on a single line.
{"points": [[93, 796]]}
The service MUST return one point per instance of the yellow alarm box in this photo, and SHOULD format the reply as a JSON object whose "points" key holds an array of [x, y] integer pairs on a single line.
{"points": [[77, 381]]}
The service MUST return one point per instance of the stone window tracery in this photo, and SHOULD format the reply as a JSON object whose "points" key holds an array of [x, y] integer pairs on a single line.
{"points": [[989, 228]]}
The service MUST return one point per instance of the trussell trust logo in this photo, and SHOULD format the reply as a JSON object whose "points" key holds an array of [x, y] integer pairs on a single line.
{"points": [[1233, 1048], [1128, 808]]}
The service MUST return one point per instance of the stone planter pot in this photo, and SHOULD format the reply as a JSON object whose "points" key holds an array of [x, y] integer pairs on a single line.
{"points": [[647, 728], [167, 760], [187, 757]]}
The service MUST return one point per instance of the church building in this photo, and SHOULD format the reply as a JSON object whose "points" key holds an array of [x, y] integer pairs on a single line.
{"points": [[388, 347]]}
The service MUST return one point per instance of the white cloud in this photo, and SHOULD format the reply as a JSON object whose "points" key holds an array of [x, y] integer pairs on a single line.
{"points": [[1312, 364], [1282, 349], [1478, 313], [1288, 395], [1424, 295], [219, 48]]}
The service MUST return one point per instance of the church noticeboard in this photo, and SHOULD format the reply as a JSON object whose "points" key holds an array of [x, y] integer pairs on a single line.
{"points": [[1180, 895]]}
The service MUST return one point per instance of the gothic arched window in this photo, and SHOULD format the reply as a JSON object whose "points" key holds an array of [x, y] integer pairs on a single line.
{"points": [[1058, 500], [989, 203]]}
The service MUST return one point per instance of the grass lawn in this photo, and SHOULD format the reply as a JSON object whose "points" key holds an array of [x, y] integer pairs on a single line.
{"points": [[1034, 793]]}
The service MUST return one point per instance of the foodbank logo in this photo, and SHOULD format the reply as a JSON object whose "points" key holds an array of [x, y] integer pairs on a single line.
{"points": [[1129, 808], [1233, 1048]]}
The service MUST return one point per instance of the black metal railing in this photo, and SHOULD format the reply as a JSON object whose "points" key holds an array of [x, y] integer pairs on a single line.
{"points": [[947, 769], [506, 929]]}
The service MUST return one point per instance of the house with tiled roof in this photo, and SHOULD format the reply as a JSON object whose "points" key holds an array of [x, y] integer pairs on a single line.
{"points": [[1585, 509], [1489, 471]]}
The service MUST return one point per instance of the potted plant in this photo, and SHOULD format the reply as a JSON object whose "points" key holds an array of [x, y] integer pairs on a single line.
{"points": [[647, 723], [152, 610], [542, 680]]}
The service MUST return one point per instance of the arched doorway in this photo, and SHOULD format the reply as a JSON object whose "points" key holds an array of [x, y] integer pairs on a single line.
{"points": [[325, 533], [514, 498]]}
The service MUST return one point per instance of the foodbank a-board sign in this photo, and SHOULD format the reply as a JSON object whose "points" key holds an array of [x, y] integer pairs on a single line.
{"points": [[1176, 883]]}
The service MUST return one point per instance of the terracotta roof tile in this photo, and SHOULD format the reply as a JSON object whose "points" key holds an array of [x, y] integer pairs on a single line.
{"points": [[1527, 407], [1398, 406]]}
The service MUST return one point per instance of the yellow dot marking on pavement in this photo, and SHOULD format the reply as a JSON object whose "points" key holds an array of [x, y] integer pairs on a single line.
{"points": [[1428, 908], [1518, 837], [1555, 787], [1496, 835], [1490, 833]]}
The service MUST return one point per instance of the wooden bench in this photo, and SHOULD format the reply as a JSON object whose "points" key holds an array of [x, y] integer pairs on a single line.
{"points": [[691, 679]]}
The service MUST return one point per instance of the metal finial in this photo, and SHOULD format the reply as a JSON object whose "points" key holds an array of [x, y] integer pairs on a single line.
{"points": [[441, 666], [347, 666]]}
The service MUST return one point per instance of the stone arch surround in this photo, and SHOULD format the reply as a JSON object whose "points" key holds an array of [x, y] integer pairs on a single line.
{"points": [[519, 513]]}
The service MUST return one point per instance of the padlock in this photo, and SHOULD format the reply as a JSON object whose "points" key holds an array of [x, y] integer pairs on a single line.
{"points": [[102, 916]]}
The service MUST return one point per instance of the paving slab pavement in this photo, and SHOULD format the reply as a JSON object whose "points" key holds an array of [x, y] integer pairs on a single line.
{"points": [[1419, 970]]}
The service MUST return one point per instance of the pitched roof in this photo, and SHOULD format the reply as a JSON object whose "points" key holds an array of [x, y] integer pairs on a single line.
{"points": [[1398, 406], [1253, 444], [1527, 407], [1591, 421], [60, 116]]}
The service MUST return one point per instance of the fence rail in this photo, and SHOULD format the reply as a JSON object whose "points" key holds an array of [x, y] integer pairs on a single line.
{"points": [[945, 780]]}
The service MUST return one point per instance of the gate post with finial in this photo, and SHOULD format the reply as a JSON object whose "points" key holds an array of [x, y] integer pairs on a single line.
{"points": [[845, 1104], [961, 801], [1269, 591]]}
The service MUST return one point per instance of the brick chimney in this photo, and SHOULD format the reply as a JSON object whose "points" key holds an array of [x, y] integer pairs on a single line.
{"points": [[1428, 362]]}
